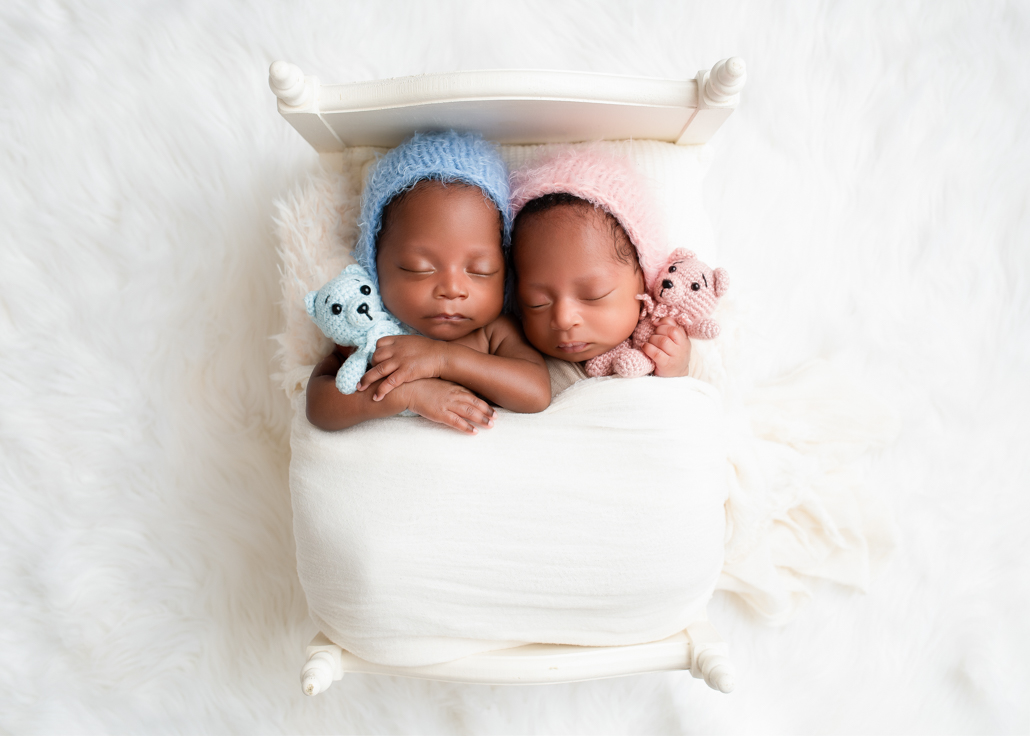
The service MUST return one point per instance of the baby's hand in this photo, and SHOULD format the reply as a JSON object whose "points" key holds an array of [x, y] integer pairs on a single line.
{"points": [[450, 404], [401, 359], [669, 348]]}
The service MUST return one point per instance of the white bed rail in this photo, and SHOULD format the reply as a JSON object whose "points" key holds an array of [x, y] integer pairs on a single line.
{"points": [[509, 106]]}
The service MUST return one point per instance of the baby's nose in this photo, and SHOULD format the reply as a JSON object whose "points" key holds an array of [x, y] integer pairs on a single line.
{"points": [[666, 284]]}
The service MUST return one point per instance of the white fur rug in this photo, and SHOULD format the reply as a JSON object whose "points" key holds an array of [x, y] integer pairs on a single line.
{"points": [[870, 196]]}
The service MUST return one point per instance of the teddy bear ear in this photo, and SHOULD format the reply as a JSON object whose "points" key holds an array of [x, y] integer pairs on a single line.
{"points": [[722, 281], [681, 254], [356, 270], [309, 302]]}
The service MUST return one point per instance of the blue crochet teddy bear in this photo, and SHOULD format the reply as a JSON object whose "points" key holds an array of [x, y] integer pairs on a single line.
{"points": [[349, 311]]}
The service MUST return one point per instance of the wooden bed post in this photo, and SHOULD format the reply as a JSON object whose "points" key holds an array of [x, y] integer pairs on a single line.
{"points": [[298, 102], [718, 92]]}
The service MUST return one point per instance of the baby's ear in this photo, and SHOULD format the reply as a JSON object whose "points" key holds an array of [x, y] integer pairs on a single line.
{"points": [[309, 302], [681, 254], [722, 281]]}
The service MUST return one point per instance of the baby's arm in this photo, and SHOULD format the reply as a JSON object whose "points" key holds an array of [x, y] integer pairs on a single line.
{"points": [[497, 363], [669, 348], [439, 401]]}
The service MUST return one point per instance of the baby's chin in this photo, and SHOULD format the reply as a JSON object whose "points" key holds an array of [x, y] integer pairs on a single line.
{"points": [[573, 353], [445, 330]]}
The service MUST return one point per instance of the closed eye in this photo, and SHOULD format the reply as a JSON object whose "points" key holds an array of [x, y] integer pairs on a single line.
{"points": [[598, 298], [483, 273], [415, 270]]}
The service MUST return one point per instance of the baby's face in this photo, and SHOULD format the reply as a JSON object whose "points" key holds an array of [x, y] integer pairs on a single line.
{"points": [[577, 298], [441, 268]]}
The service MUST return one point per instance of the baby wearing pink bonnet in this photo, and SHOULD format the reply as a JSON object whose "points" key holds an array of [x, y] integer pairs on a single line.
{"points": [[587, 241]]}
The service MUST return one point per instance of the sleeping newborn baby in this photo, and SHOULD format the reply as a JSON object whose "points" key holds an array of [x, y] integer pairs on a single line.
{"points": [[586, 241], [434, 230]]}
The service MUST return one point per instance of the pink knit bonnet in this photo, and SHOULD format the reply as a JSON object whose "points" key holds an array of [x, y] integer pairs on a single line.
{"points": [[607, 181]]}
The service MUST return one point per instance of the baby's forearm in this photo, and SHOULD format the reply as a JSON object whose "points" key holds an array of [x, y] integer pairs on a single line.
{"points": [[328, 409], [512, 383]]}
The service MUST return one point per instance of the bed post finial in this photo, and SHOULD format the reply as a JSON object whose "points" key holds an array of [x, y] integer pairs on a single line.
{"points": [[288, 84], [726, 80], [718, 93]]}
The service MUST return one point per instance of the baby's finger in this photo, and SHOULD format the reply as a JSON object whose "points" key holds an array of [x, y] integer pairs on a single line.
{"points": [[376, 372], [394, 380], [459, 423], [674, 331], [382, 354], [664, 343], [653, 352], [478, 413]]}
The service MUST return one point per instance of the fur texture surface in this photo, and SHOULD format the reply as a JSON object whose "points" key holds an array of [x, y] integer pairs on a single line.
{"points": [[869, 197]]}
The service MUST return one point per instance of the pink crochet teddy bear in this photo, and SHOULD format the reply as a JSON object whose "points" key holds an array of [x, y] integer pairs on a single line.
{"points": [[686, 290]]}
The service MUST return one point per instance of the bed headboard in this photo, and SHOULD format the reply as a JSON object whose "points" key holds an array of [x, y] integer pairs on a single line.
{"points": [[508, 106]]}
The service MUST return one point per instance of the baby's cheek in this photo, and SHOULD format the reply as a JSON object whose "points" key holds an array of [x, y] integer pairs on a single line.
{"points": [[492, 298], [622, 320], [537, 329], [397, 298]]}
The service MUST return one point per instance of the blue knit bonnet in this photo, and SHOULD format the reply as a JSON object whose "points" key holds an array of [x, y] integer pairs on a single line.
{"points": [[445, 157]]}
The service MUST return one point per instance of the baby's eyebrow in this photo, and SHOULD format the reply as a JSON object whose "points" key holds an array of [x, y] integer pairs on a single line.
{"points": [[594, 280], [538, 284], [409, 248], [474, 251]]}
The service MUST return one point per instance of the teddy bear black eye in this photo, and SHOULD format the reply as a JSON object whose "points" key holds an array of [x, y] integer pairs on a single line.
{"points": [[695, 286], [337, 308], [366, 289], [672, 269]]}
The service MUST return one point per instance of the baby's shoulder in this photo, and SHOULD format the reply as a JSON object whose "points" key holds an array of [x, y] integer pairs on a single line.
{"points": [[506, 338], [503, 337], [503, 329]]}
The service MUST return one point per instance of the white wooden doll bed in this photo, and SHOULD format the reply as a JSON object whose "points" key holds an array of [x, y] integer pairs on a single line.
{"points": [[518, 107]]}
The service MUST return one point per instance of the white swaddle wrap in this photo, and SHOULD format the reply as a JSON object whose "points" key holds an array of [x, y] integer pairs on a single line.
{"points": [[518, 538], [416, 544]]}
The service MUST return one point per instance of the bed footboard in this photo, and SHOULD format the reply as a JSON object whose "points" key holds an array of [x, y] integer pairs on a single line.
{"points": [[698, 649]]}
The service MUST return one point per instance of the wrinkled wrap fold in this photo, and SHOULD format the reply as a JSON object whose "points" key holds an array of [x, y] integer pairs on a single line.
{"points": [[599, 521]]}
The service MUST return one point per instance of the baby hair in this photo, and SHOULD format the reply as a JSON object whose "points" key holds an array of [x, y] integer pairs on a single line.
{"points": [[622, 247], [600, 177]]}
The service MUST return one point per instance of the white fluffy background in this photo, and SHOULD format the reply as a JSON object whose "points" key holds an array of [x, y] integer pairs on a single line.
{"points": [[869, 196]]}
